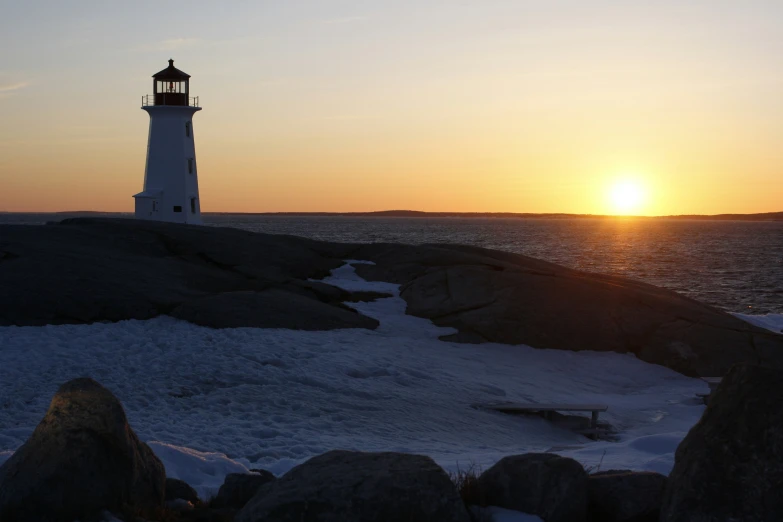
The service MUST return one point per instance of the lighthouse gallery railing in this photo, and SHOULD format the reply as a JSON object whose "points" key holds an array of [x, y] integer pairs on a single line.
{"points": [[148, 100]]}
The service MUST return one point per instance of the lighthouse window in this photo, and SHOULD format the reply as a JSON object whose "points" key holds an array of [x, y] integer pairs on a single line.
{"points": [[177, 208], [192, 205], [187, 130], [170, 87], [190, 165]]}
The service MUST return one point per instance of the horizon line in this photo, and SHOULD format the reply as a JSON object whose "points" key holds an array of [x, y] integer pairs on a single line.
{"points": [[771, 216]]}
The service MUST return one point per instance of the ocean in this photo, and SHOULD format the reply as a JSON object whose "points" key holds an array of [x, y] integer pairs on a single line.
{"points": [[734, 265]]}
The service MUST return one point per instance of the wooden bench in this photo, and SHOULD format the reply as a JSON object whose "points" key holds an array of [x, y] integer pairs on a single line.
{"points": [[514, 407]]}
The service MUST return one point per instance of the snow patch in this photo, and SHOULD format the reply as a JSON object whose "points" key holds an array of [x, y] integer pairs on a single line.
{"points": [[204, 471], [345, 277], [646, 453], [772, 322]]}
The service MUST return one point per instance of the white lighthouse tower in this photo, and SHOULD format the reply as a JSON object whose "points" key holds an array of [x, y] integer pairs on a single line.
{"points": [[171, 175]]}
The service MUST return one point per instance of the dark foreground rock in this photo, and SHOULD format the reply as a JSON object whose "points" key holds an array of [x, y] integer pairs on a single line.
{"points": [[358, 487], [81, 459], [273, 308], [202, 513], [625, 496], [543, 484], [87, 270], [179, 489], [730, 465], [239, 488]]}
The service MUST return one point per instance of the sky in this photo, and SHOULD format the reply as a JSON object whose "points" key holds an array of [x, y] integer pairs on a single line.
{"points": [[578, 106]]}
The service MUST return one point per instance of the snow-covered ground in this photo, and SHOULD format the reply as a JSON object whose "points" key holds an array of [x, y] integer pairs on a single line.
{"points": [[212, 402]]}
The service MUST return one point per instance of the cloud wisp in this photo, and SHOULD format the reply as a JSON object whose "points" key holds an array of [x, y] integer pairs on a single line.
{"points": [[13, 86], [10, 89]]}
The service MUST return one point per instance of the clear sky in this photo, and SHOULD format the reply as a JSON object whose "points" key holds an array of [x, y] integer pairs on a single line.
{"points": [[438, 105]]}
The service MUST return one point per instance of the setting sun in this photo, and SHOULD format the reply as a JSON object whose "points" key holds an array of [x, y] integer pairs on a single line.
{"points": [[627, 196]]}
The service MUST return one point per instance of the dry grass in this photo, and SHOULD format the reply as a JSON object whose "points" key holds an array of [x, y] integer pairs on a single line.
{"points": [[595, 469], [470, 489], [467, 483]]}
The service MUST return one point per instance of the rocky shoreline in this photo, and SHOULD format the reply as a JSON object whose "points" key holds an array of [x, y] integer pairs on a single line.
{"points": [[84, 462], [96, 270]]}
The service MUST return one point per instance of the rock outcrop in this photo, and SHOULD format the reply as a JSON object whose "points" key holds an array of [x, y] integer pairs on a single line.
{"points": [[239, 488], [83, 458], [357, 487], [730, 465], [273, 308], [88, 270], [625, 496], [553, 487], [510, 298]]}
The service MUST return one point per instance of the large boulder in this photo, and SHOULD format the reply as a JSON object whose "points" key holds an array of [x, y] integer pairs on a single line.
{"points": [[180, 490], [491, 296], [81, 459], [730, 465], [543, 484], [359, 487], [625, 496], [239, 488]]}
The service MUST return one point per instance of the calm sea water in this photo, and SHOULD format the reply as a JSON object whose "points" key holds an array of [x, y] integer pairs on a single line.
{"points": [[735, 265]]}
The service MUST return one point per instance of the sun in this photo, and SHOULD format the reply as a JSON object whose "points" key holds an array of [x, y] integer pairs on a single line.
{"points": [[627, 196]]}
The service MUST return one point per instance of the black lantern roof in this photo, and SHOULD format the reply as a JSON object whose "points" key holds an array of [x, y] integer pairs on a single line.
{"points": [[171, 73]]}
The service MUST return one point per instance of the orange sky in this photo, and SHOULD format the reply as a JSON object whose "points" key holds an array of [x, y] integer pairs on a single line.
{"points": [[490, 106]]}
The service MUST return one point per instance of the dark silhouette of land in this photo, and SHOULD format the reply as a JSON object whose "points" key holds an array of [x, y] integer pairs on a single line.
{"points": [[768, 216]]}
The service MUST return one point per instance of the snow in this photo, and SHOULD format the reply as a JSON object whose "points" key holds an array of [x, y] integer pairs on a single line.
{"points": [[647, 453], [203, 471], [211, 402], [772, 322]]}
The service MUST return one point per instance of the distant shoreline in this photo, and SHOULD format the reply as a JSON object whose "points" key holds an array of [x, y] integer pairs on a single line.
{"points": [[767, 216]]}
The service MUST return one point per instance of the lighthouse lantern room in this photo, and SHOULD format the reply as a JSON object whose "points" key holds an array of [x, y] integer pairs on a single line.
{"points": [[171, 175]]}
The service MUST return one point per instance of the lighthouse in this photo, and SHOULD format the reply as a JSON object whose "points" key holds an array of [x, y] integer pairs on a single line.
{"points": [[171, 174]]}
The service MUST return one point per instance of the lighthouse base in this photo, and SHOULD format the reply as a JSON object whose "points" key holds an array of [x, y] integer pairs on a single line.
{"points": [[153, 205]]}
